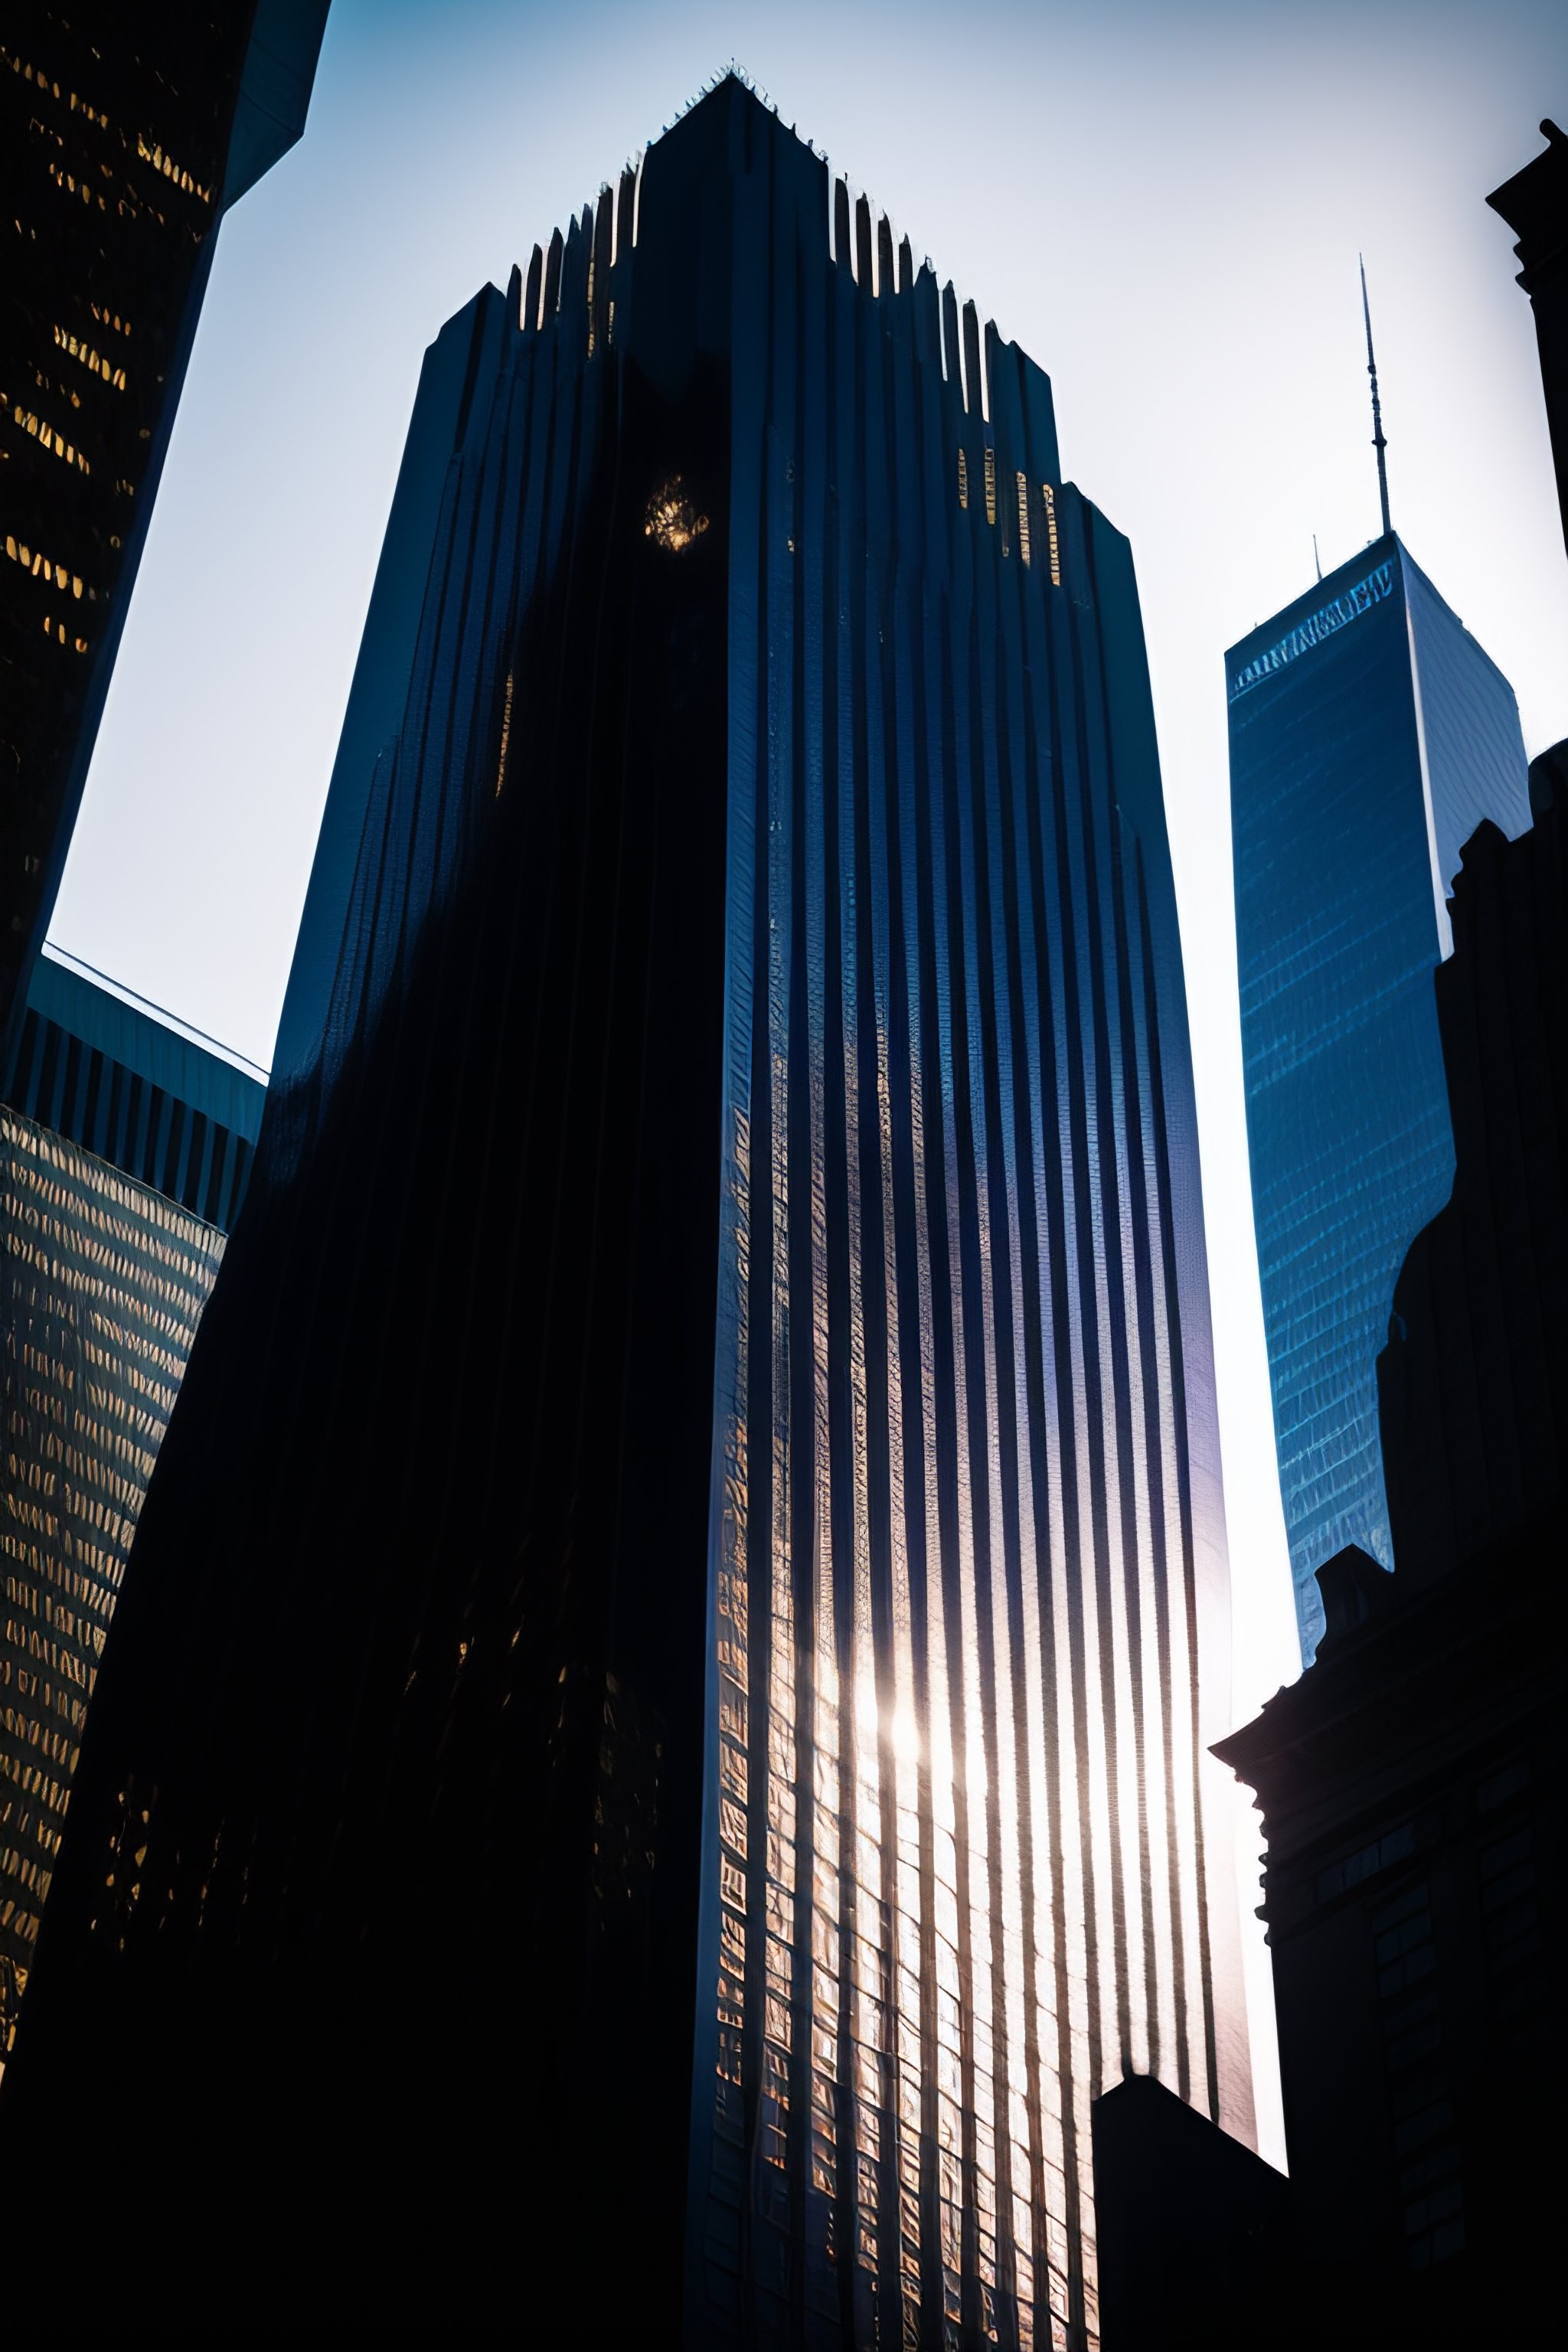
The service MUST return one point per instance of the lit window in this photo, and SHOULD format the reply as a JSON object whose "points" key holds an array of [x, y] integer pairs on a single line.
{"points": [[1053, 547], [505, 736], [672, 522]]}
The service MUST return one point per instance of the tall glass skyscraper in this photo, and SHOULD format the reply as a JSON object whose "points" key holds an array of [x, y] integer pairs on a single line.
{"points": [[654, 1757], [1369, 736]]}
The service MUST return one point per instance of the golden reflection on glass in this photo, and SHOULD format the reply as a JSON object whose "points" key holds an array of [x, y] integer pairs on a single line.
{"points": [[672, 522], [103, 1282], [1052, 542]]}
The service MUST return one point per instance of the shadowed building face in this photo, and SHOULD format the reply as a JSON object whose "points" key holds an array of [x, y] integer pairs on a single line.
{"points": [[664, 1678]]}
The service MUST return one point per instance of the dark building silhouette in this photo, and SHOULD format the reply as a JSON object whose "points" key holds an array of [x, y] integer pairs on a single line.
{"points": [[125, 1147], [1193, 2232], [1369, 736], [1473, 1385], [652, 1760], [1534, 204], [125, 133], [1411, 1782]]}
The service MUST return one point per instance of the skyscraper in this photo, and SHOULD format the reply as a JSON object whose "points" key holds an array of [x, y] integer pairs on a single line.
{"points": [[127, 133], [125, 1147], [653, 1759], [1369, 736]]}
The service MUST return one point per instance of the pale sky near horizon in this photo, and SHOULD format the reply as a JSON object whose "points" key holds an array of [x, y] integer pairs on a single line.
{"points": [[1162, 204]]}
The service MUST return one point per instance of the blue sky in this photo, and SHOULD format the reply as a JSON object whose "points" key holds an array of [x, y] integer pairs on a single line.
{"points": [[1163, 204]]}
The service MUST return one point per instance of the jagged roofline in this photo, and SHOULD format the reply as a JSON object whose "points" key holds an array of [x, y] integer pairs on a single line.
{"points": [[859, 239]]}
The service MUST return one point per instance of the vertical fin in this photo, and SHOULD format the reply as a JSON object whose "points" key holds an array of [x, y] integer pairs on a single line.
{"points": [[863, 266], [887, 267]]}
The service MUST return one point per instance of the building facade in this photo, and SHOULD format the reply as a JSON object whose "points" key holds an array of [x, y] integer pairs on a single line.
{"points": [[709, 1420], [1369, 736], [125, 134], [124, 1150], [1411, 1782]]}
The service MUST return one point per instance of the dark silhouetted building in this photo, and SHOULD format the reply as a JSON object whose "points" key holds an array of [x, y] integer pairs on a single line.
{"points": [[1411, 1782], [125, 133], [125, 1147], [1369, 736], [652, 1760], [1534, 204], [1193, 2232]]}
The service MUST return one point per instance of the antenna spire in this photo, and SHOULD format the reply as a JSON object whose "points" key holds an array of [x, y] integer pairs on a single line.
{"points": [[1378, 442]]}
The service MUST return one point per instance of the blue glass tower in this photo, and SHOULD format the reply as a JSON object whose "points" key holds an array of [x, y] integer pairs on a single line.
{"points": [[1369, 736], [658, 1736]]}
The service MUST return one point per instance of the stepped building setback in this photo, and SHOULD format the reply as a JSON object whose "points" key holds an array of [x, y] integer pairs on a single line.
{"points": [[653, 1759]]}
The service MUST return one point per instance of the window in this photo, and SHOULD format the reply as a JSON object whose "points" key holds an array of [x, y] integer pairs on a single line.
{"points": [[1052, 546]]}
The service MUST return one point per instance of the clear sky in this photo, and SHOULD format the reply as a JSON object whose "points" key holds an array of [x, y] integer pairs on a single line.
{"points": [[1162, 202]]}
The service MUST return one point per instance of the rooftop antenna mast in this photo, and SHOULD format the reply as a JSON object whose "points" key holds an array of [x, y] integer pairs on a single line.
{"points": [[1378, 442]]}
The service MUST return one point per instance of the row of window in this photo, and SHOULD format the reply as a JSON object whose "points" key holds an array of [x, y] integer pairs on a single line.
{"points": [[172, 1325], [90, 358], [80, 1469], [154, 153], [31, 1823], [27, 1729], [149, 151], [35, 1782], [129, 206], [70, 1709], [141, 1262], [31, 559], [113, 1204], [88, 1589], [56, 632], [51, 439]]}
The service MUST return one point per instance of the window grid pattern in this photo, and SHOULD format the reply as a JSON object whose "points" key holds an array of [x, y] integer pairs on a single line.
{"points": [[103, 1283]]}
